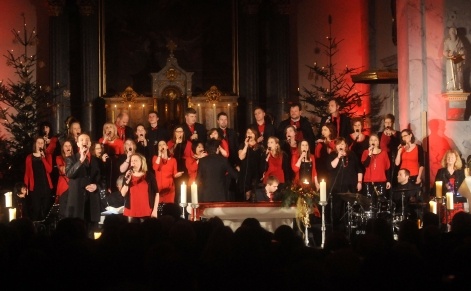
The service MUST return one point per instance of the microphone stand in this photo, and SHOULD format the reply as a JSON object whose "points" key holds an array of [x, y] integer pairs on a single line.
{"points": [[331, 196]]}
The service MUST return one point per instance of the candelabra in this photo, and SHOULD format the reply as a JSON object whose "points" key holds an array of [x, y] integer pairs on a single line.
{"points": [[183, 206], [194, 206], [323, 204]]}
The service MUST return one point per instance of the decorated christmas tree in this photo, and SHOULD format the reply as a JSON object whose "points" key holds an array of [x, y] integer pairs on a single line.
{"points": [[22, 105], [331, 83]]}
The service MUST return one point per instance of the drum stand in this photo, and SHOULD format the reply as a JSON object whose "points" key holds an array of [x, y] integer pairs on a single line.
{"points": [[349, 218]]}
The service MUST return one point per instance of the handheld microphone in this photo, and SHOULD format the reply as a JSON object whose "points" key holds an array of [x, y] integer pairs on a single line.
{"points": [[304, 158], [41, 149], [268, 151], [403, 143], [357, 130]]}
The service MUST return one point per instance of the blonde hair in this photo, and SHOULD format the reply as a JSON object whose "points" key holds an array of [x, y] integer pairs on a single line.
{"points": [[458, 164], [278, 148], [113, 127], [143, 162]]}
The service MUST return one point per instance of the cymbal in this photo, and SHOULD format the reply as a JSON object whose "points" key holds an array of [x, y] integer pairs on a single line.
{"points": [[355, 197]]}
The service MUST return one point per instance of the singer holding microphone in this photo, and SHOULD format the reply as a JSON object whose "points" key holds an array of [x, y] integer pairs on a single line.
{"points": [[377, 164], [276, 161], [139, 190], [37, 178], [410, 156], [250, 155], [165, 168], [304, 165], [357, 140], [345, 176]]}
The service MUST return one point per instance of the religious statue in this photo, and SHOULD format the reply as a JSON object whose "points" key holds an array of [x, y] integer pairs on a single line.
{"points": [[454, 52]]}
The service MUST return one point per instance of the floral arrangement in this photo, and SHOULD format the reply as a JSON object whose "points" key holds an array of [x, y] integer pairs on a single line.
{"points": [[306, 200]]}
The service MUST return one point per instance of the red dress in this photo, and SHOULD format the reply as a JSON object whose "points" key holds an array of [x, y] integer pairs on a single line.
{"points": [[138, 196], [192, 167], [63, 181], [275, 168], [164, 174], [376, 170], [116, 146], [410, 160]]}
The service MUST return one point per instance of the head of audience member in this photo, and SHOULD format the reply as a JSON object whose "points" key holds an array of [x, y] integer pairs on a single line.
{"points": [[222, 120], [122, 119], [138, 163], [272, 184], [153, 118], [129, 146], [259, 115], [295, 111], [329, 132], [97, 149], [45, 129], [110, 132], [452, 159], [357, 124], [162, 149], [66, 149], [290, 133], [388, 121], [74, 130], [190, 116], [213, 133], [38, 144], [407, 137], [333, 107], [273, 144], [140, 132], [252, 135], [178, 134], [403, 176]]}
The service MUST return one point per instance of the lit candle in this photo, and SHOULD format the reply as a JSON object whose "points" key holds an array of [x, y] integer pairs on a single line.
{"points": [[8, 201], [449, 201], [96, 235], [438, 189], [323, 197], [12, 212], [194, 193], [183, 193], [433, 207], [214, 115]]}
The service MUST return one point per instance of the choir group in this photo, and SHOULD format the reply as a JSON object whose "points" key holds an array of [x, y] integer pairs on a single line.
{"points": [[142, 168]]}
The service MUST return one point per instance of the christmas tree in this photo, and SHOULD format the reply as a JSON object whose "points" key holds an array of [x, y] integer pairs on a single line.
{"points": [[22, 106], [331, 84]]}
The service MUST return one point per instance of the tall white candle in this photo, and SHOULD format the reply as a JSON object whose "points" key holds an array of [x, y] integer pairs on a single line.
{"points": [[194, 193], [449, 201], [183, 193], [438, 189], [323, 197], [12, 213], [433, 207], [8, 200]]}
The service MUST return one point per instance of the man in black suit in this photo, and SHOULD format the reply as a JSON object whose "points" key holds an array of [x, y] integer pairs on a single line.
{"points": [[154, 132], [211, 177], [340, 120], [301, 123], [269, 192], [83, 171], [194, 131], [124, 131], [230, 135], [264, 126]]}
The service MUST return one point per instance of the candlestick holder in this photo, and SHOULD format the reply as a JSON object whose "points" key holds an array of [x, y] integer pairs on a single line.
{"points": [[183, 206], [323, 228], [194, 206]]}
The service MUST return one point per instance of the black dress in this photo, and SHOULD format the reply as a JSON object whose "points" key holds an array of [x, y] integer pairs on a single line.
{"points": [[41, 195], [250, 171]]}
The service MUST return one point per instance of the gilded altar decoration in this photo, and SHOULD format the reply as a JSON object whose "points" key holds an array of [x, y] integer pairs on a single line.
{"points": [[306, 200], [129, 95], [172, 93], [213, 94], [172, 74]]}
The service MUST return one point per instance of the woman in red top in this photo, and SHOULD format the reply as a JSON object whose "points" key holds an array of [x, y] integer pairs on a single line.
{"points": [[376, 177], [192, 162], [165, 168], [139, 190], [304, 165], [63, 181], [213, 133], [410, 156], [37, 177], [274, 159]]}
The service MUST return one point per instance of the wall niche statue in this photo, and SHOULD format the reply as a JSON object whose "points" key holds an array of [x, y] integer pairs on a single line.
{"points": [[455, 55]]}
